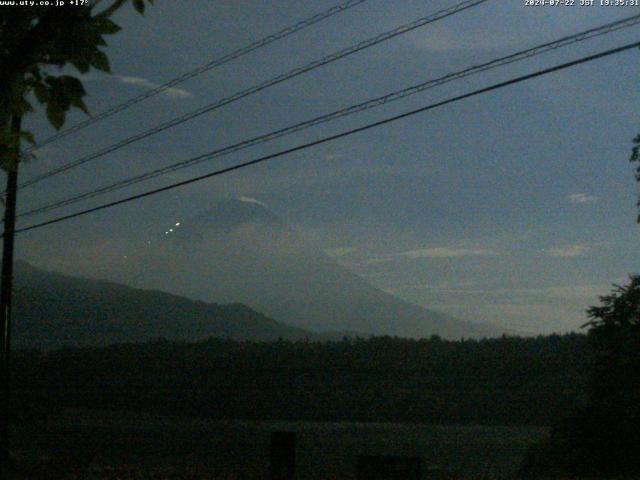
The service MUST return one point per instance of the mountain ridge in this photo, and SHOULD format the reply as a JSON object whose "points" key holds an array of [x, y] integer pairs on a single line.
{"points": [[51, 309], [240, 251]]}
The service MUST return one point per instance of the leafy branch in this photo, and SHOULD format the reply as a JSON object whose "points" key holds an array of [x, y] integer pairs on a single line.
{"points": [[35, 40]]}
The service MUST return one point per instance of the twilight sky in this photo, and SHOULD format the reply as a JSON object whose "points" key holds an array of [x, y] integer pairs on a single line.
{"points": [[516, 207]]}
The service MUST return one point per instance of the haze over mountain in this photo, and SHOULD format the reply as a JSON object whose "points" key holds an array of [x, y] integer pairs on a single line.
{"points": [[51, 310], [239, 251]]}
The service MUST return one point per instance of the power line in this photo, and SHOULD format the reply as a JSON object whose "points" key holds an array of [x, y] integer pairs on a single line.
{"points": [[261, 86], [285, 32], [330, 138], [391, 97]]}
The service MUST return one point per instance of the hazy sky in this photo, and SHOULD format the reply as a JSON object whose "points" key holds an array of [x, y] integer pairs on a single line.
{"points": [[516, 207]]}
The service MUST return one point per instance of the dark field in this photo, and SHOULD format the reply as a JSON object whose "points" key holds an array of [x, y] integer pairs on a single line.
{"points": [[86, 442]]}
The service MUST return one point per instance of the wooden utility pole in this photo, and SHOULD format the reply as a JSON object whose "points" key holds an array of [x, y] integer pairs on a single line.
{"points": [[5, 295]]}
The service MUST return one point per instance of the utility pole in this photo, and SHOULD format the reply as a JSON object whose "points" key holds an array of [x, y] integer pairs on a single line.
{"points": [[5, 295]]}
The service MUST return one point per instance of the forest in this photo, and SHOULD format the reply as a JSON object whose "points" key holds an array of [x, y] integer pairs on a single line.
{"points": [[503, 381]]}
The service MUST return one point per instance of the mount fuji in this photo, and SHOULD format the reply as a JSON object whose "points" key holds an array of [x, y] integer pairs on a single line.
{"points": [[241, 252]]}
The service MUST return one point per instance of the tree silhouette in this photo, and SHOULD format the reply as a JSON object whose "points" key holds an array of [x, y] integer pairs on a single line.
{"points": [[602, 438], [635, 158], [33, 40]]}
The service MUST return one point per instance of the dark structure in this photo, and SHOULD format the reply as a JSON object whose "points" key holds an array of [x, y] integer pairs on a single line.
{"points": [[283, 456], [385, 467]]}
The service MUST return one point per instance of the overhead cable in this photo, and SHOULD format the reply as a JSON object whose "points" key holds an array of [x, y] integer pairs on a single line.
{"points": [[369, 104], [337, 136], [258, 88], [285, 32]]}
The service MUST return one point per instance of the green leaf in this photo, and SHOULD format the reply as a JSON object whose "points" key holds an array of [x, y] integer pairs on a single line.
{"points": [[73, 90], [139, 6], [72, 86], [56, 116], [107, 27], [41, 92], [79, 103], [63, 92], [100, 61], [23, 107], [15, 102], [82, 64]]}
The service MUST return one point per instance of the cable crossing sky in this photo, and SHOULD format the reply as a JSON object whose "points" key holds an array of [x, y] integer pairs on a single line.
{"points": [[260, 87], [369, 104], [285, 32], [331, 138]]}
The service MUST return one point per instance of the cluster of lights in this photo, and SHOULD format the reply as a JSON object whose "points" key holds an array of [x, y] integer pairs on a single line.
{"points": [[171, 230]]}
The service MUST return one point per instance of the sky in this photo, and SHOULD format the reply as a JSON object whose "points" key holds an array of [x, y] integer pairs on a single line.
{"points": [[516, 207]]}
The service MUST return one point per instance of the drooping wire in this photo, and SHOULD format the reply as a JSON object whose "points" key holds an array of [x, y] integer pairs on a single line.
{"points": [[285, 32], [369, 104], [331, 138], [258, 88]]}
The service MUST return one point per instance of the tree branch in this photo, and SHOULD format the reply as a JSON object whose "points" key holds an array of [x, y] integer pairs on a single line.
{"points": [[32, 45], [115, 6]]}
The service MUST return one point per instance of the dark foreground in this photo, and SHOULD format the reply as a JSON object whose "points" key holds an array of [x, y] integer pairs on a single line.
{"points": [[95, 444]]}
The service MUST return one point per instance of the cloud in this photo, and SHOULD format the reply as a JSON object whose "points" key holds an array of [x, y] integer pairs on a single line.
{"points": [[579, 291], [252, 200], [142, 82], [340, 251], [377, 260], [580, 198], [447, 252], [571, 251], [366, 261], [556, 292]]}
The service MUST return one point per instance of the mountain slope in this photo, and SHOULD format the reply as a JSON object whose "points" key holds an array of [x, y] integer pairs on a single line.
{"points": [[239, 251], [51, 309]]}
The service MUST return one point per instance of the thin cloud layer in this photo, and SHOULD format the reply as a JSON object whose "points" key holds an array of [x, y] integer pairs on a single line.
{"points": [[447, 252], [171, 92], [340, 251], [569, 252], [581, 198], [252, 200]]}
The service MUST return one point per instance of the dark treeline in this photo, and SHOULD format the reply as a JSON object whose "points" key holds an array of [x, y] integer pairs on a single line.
{"points": [[508, 381]]}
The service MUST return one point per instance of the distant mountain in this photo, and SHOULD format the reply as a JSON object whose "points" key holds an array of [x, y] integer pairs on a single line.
{"points": [[239, 251], [51, 310]]}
